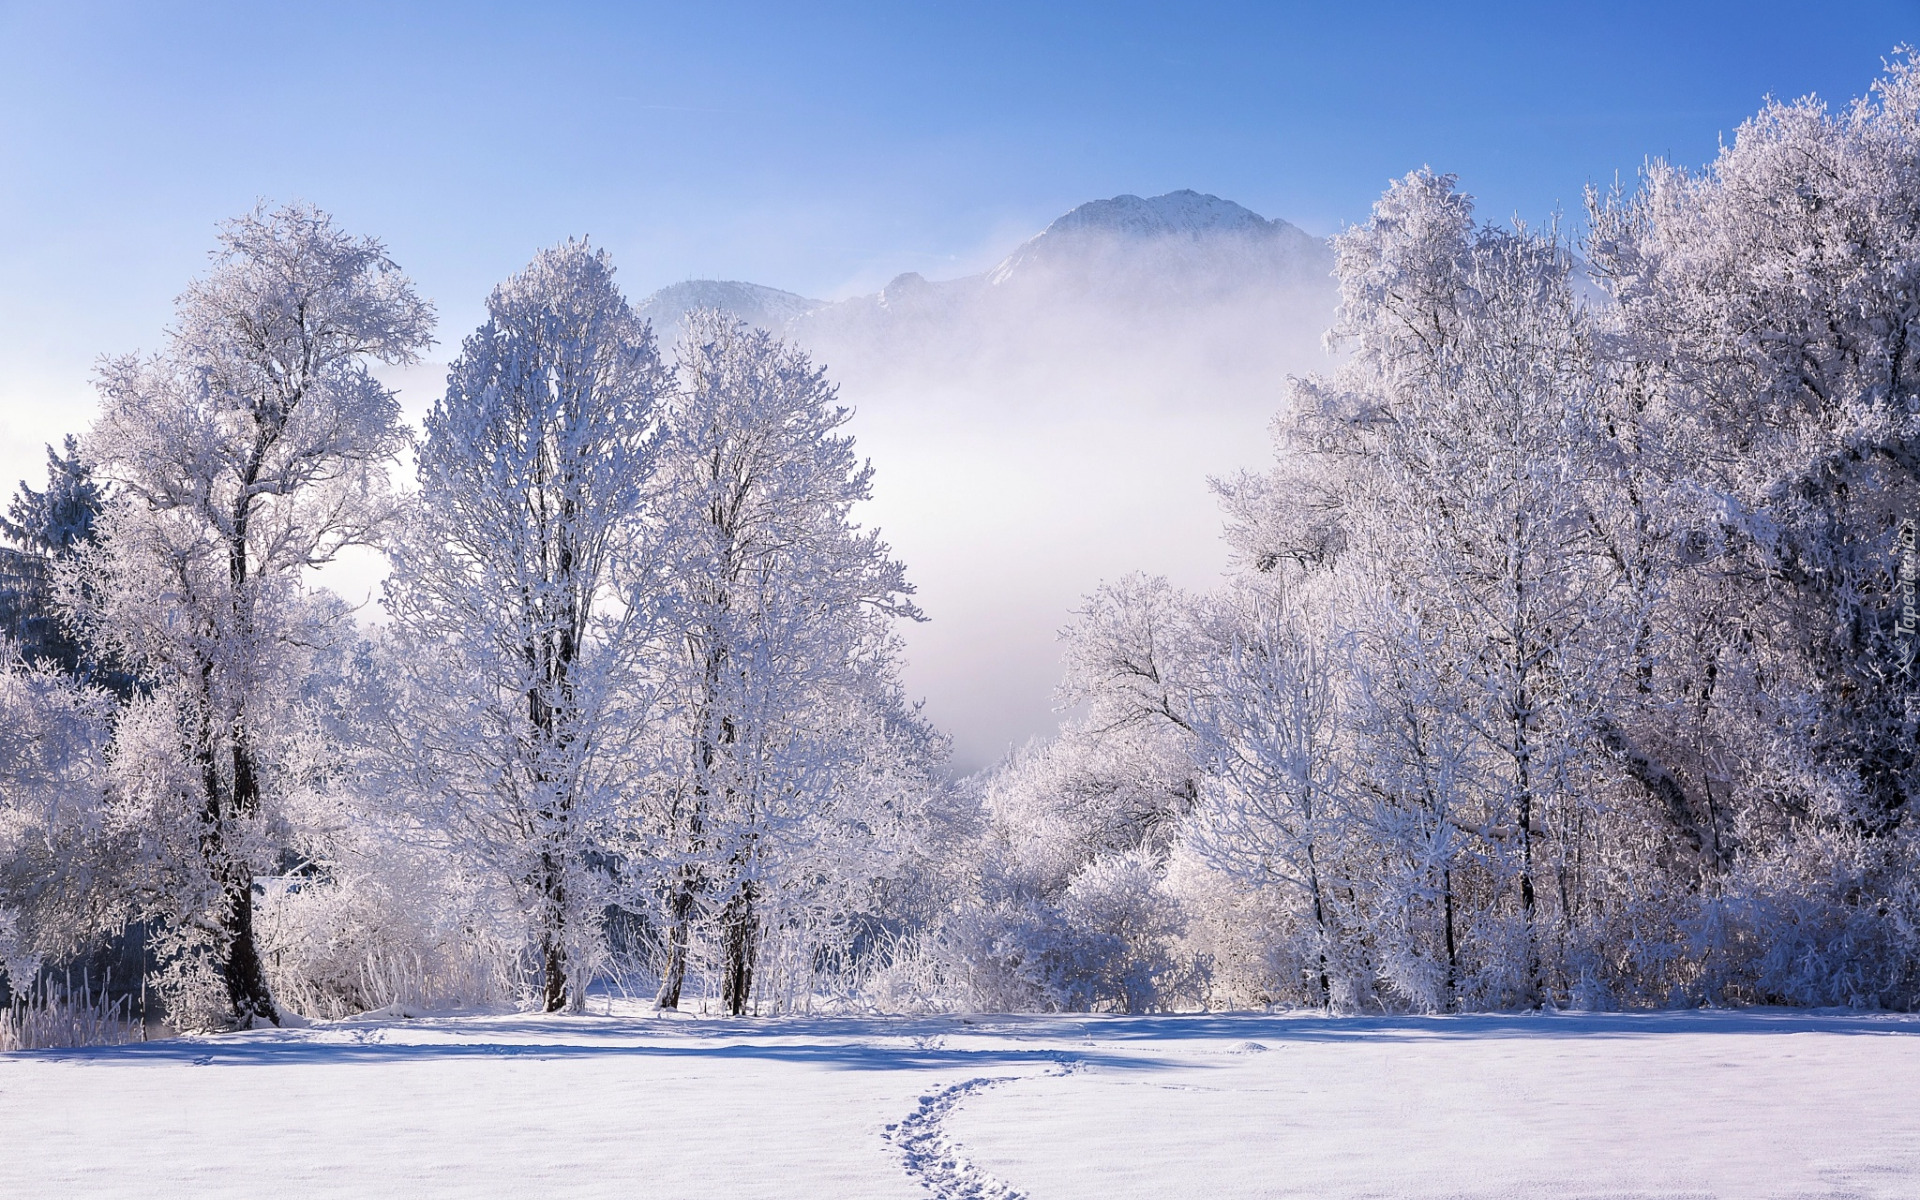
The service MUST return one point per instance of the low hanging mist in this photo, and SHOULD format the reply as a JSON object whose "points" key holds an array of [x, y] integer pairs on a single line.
{"points": [[1054, 422]]}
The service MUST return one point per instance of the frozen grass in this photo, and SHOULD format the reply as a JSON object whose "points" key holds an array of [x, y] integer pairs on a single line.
{"points": [[1734, 1105], [56, 1014]]}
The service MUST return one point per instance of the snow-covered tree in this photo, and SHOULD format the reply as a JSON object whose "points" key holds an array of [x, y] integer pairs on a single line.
{"points": [[783, 605], [1765, 309], [1773, 297], [1461, 446], [523, 592], [254, 448], [1274, 803], [1134, 663]]}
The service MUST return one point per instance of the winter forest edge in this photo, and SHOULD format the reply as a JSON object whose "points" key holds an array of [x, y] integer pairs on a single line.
{"points": [[1568, 658]]}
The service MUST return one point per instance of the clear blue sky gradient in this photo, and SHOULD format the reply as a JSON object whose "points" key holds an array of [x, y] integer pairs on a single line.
{"points": [[825, 149], [820, 148]]}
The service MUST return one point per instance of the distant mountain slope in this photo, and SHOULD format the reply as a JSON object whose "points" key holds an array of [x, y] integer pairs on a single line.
{"points": [[769, 308], [1185, 231], [1127, 254], [1185, 211]]}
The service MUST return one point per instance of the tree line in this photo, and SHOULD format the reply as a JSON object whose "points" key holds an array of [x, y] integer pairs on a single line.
{"points": [[1568, 654], [634, 654]]}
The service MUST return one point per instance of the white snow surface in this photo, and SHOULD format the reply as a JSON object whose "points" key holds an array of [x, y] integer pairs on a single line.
{"points": [[1695, 1105]]}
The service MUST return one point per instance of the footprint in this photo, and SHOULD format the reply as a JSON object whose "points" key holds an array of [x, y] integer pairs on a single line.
{"points": [[931, 1157]]}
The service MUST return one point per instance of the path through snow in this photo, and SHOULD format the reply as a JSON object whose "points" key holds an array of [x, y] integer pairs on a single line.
{"points": [[932, 1158], [1740, 1106]]}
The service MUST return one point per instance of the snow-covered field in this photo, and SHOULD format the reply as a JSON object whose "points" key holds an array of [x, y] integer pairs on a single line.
{"points": [[1710, 1104]]}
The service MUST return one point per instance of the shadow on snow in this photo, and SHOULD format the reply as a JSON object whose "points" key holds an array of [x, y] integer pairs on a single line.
{"points": [[918, 1043]]}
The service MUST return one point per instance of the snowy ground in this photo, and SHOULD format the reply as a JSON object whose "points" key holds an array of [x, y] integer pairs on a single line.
{"points": [[1735, 1105]]}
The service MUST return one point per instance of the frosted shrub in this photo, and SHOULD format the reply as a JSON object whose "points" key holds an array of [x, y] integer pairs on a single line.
{"points": [[998, 957], [1798, 933], [1239, 939], [336, 947], [1124, 926], [1107, 943]]}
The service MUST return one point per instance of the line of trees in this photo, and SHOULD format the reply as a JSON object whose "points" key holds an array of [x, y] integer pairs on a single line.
{"points": [[635, 675], [1568, 655]]}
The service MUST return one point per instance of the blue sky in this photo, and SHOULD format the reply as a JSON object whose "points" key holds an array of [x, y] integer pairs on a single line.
{"points": [[824, 149], [820, 148]]}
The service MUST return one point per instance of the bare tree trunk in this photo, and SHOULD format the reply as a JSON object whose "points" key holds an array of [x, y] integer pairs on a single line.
{"points": [[1319, 920], [1521, 714], [246, 978], [679, 914], [238, 956], [551, 717], [240, 964], [553, 948], [1527, 896], [687, 881], [1453, 960], [739, 936]]}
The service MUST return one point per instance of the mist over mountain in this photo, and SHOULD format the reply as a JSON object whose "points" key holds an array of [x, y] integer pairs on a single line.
{"points": [[769, 308], [1179, 237], [1053, 421], [1194, 274]]}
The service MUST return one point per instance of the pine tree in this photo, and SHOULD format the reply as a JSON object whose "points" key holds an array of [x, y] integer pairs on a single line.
{"points": [[46, 527]]}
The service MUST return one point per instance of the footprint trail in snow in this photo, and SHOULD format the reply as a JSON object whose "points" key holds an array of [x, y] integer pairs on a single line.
{"points": [[933, 1158]]}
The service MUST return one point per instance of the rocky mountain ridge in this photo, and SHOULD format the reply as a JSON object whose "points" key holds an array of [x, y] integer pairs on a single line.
{"points": [[1127, 253]]}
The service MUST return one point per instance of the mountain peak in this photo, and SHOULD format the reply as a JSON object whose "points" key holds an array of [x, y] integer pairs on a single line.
{"points": [[769, 308], [1174, 233], [1185, 243], [1184, 211]]}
